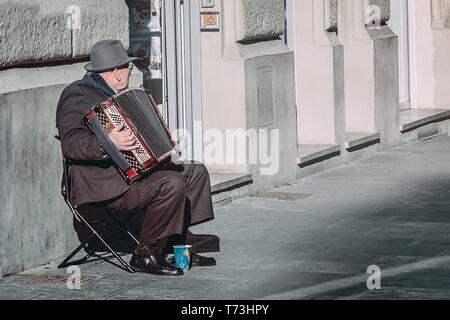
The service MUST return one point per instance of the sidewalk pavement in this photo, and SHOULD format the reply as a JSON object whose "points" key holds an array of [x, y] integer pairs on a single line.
{"points": [[390, 211]]}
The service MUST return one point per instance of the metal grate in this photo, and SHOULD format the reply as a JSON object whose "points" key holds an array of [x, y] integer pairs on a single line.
{"points": [[45, 278]]}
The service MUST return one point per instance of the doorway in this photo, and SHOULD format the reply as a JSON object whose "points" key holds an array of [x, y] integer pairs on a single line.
{"points": [[165, 34]]}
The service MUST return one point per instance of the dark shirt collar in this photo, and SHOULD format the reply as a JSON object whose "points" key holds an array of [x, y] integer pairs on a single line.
{"points": [[101, 83]]}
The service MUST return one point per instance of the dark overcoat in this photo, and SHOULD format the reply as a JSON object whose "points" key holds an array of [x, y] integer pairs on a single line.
{"points": [[79, 144]]}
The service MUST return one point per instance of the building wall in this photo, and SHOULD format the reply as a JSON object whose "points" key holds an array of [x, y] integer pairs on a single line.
{"points": [[333, 12], [261, 19], [271, 113], [441, 68], [441, 45], [33, 31], [35, 223], [385, 8], [223, 86], [225, 73], [371, 70], [399, 25], [423, 46], [430, 45], [316, 51], [359, 71]]}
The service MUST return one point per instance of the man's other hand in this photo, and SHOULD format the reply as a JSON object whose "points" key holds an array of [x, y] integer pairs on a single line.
{"points": [[175, 156], [124, 140]]}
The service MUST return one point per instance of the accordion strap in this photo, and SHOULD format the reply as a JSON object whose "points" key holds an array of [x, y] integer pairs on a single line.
{"points": [[107, 144]]}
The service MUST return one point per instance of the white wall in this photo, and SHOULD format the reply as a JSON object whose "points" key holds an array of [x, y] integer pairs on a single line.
{"points": [[399, 25], [359, 68], [39, 30], [431, 45], [223, 87], [314, 74]]}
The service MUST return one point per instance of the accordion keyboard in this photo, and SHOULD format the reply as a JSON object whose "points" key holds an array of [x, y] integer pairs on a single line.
{"points": [[136, 109], [136, 158]]}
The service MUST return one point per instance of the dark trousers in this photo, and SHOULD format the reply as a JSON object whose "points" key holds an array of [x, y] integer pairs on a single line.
{"points": [[164, 205]]}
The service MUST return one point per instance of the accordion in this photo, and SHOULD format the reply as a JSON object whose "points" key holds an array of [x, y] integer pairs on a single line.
{"points": [[137, 110]]}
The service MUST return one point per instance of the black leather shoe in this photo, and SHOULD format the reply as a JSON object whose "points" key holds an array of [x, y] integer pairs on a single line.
{"points": [[196, 260], [148, 259], [202, 261]]}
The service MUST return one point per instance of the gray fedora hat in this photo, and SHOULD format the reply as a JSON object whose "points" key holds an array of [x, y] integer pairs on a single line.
{"points": [[107, 55]]}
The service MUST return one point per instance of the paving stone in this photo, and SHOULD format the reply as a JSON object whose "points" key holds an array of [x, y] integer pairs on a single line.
{"points": [[389, 210], [393, 293]]}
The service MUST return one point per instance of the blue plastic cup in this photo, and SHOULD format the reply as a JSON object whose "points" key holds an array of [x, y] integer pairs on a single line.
{"points": [[183, 256]]}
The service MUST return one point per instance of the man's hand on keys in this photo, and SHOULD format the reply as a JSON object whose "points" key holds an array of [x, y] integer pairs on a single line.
{"points": [[124, 140]]}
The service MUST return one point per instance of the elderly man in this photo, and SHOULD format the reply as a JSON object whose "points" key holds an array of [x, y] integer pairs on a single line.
{"points": [[171, 199]]}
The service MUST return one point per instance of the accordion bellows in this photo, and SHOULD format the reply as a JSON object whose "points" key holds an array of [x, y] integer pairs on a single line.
{"points": [[140, 114]]}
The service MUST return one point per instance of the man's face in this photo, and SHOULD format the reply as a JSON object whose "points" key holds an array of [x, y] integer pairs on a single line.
{"points": [[118, 78], [123, 76]]}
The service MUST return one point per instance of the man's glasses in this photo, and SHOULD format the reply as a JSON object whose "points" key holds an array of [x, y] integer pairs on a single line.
{"points": [[129, 66]]}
